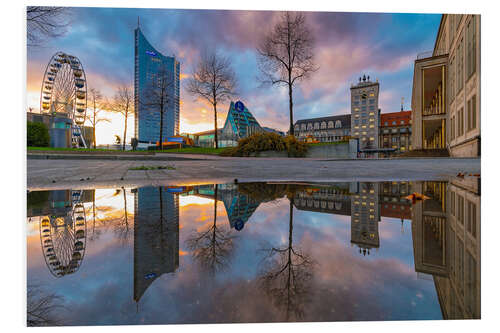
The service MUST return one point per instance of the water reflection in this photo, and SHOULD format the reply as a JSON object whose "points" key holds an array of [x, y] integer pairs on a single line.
{"points": [[273, 248]]}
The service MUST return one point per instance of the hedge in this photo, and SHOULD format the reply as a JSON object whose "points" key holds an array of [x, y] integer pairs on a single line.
{"points": [[38, 135], [265, 141]]}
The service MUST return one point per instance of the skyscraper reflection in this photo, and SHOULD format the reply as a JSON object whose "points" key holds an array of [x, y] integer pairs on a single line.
{"points": [[156, 236]]}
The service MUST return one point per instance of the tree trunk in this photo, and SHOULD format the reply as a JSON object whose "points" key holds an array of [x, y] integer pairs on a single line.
{"points": [[93, 127], [290, 90], [215, 127], [125, 210], [161, 130], [125, 131], [93, 134]]}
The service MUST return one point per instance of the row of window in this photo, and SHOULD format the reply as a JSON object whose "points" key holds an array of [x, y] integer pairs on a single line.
{"points": [[317, 125], [458, 205], [394, 122], [456, 68], [457, 121]]}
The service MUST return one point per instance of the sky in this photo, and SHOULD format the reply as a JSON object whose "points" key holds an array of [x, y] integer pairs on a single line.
{"points": [[347, 45]]}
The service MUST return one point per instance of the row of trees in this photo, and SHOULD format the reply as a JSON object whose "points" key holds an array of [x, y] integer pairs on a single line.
{"points": [[285, 57]]}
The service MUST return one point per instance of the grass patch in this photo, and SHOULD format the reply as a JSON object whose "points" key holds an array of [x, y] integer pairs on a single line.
{"points": [[194, 150], [82, 149], [160, 167]]}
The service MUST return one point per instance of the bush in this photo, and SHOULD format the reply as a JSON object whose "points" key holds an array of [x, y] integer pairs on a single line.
{"points": [[267, 141], [38, 135]]}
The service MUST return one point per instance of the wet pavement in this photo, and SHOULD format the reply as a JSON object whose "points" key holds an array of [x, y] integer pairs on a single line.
{"points": [[197, 169], [253, 252]]}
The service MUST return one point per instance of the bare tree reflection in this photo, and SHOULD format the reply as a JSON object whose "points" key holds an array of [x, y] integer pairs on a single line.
{"points": [[286, 274], [213, 247], [122, 228], [42, 308]]}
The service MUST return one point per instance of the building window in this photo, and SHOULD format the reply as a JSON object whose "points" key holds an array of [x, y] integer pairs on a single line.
{"points": [[460, 66], [460, 209], [371, 101], [471, 46], [386, 123], [471, 218], [330, 124], [316, 125], [452, 203], [451, 79], [323, 125], [453, 128], [402, 122], [460, 123], [303, 127], [471, 113], [394, 139]]}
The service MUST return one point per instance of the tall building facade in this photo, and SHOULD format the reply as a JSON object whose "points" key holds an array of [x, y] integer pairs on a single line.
{"points": [[365, 217], [446, 96], [365, 113], [149, 63]]}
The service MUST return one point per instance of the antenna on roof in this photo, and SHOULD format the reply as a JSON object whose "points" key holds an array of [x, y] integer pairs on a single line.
{"points": [[402, 102]]}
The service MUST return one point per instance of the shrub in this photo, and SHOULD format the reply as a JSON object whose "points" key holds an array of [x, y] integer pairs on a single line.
{"points": [[38, 135], [267, 141]]}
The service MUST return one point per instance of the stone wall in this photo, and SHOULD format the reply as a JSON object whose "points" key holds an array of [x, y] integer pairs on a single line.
{"points": [[339, 150]]}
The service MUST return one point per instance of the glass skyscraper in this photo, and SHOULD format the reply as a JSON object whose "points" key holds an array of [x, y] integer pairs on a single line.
{"points": [[148, 62]]}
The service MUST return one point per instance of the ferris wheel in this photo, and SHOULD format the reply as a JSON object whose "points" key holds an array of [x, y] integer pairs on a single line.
{"points": [[63, 239], [64, 90]]}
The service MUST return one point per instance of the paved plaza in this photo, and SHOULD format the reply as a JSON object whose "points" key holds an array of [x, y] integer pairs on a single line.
{"points": [[197, 169]]}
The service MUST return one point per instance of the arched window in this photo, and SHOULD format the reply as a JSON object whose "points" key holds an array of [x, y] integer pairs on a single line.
{"points": [[297, 127], [303, 127], [316, 125], [330, 124], [323, 124], [310, 126], [338, 124]]}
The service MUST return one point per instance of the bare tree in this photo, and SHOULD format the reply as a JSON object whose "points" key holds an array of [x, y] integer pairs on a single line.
{"points": [[286, 55], [286, 275], [122, 227], [123, 103], [41, 307], [98, 104], [45, 22], [212, 248], [214, 81], [159, 94]]}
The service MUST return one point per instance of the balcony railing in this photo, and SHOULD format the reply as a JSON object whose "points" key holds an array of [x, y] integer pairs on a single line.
{"points": [[423, 55], [432, 111]]}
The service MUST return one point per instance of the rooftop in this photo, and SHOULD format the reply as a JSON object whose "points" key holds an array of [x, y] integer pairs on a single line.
{"points": [[395, 116]]}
